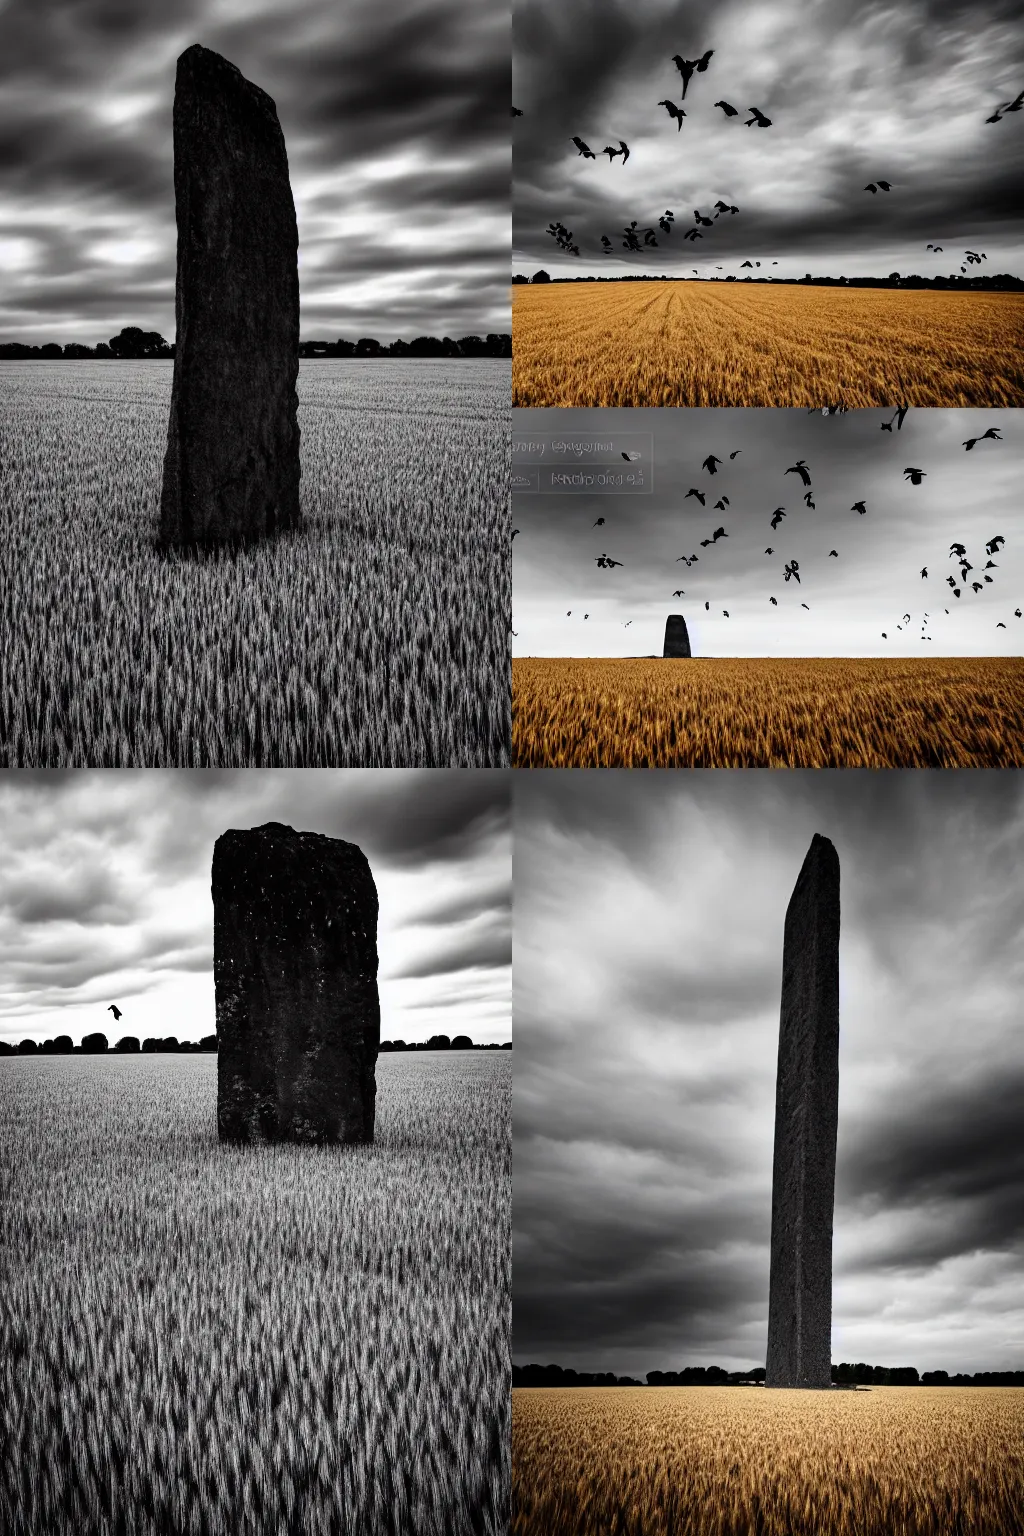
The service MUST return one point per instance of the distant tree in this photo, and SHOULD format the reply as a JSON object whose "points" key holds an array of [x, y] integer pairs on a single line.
{"points": [[208, 1043], [63, 1045], [102, 350], [51, 349], [934, 1378], [368, 346], [76, 349], [344, 348], [520, 277], [150, 1045], [400, 348], [8, 1048], [439, 1043], [462, 1043], [133, 342], [170, 1044], [128, 1044], [894, 277], [541, 277], [94, 1045], [27, 1047], [499, 344]]}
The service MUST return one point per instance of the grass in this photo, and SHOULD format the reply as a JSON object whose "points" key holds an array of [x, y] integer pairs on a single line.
{"points": [[196, 1339], [730, 1461], [945, 712], [700, 344], [377, 635]]}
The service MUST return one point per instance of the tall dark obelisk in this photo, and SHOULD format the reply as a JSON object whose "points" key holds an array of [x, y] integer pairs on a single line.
{"points": [[677, 640], [231, 470], [806, 1117]]}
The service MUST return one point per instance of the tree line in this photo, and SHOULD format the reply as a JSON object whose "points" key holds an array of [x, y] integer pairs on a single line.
{"points": [[1001, 282], [97, 1044], [845, 1374], [135, 343]]}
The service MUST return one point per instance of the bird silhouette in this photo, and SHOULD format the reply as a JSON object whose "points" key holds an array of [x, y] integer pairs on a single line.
{"points": [[859, 506], [115, 1010], [688, 67], [958, 549], [933, 247], [1000, 625], [698, 218], [599, 523], [792, 568], [976, 586], [924, 571], [769, 550], [674, 111], [707, 607], [758, 118], [800, 468], [992, 432], [992, 547], [773, 600], [777, 516], [898, 418], [711, 464], [809, 499], [834, 552], [990, 565], [606, 560], [735, 452], [719, 533], [583, 149], [1016, 613], [725, 612], [1006, 106], [873, 186], [727, 109], [699, 495], [627, 623], [622, 150], [688, 558], [679, 593], [805, 605], [514, 532], [517, 111], [745, 264], [693, 234], [915, 476]]}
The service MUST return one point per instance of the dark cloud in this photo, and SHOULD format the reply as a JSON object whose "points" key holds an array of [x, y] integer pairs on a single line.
{"points": [[484, 949], [854, 93], [875, 578], [495, 898], [648, 942], [396, 123], [88, 896]]}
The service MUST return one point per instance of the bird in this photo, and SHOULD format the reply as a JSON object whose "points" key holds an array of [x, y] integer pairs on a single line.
{"points": [[1016, 613], [693, 234], [719, 533], [975, 586], [873, 186], [933, 247], [569, 613], [1000, 625], [514, 532], [727, 109], [711, 464], [792, 569], [915, 476], [806, 605], [721, 503], [899, 418], [769, 550], [924, 571], [745, 264], [679, 593], [584, 149], [800, 468], [688, 67], [735, 452], [517, 111], [809, 499], [599, 523], [834, 552], [859, 506], [622, 150], [707, 607], [959, 549], [699, 495], [674, 111], [606, 560], [777, 517], [773, 600], [586, 615], [992, 432], [725, 611], [758, 118], [884, 635], [627, 623], [992, 547], [115, 1010], [990, 565], [1006, 106]]}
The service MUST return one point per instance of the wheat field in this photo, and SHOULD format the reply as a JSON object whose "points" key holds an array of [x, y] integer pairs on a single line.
{"points": [[715, 344], [197, 1339], [944, 712], [732, 1461], [375, 635]]}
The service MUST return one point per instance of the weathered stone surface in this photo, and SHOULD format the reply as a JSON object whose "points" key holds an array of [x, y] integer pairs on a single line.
{"points": [[677, 641], [295, 973], [806, 1117], [231, 470]]}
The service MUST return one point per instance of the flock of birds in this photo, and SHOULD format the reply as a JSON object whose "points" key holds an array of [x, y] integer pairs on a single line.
{"points": [[637, 237], [790, 569]]}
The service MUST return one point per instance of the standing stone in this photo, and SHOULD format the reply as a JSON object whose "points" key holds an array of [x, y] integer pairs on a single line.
{"points": [[231, 470], [806, 1116], [295, 973], [677, 641]]}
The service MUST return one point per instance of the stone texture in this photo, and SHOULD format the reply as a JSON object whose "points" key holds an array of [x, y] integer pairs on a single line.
{"points": [[231, 470], [677, 641], [295, 973], [806, 1116]]}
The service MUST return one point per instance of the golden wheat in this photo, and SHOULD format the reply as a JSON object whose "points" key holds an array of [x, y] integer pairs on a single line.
{"points": [[199, 1339], [946, 712], [729, 1461], [375, 635], [678, 343]]}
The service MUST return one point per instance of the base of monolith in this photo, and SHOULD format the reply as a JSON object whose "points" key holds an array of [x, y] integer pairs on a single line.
{"points": [[677, 640]]}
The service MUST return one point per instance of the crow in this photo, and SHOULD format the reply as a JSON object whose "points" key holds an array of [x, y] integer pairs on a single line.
{"points": [[772, 600], [517, 111], [707, 607], [874, 186], [699, 495], [809, 499], [514, 532], [745, 264], [711, 464], [792, 569], [1016, 613], [735, 452], [834, 552], [599, 523], [859, 506], [622, 150], [933, 247], [688, 558], [584, 149], [884, 635], [115, 1010], [627, 623], [674, 111], [727, 109], [899, 418], [693, 234], [915, 476], [777, 517], [688, 67], [758, 118], [698, 218], [800, 468], [606, 560], [992, 432], [990, 565], [1000, 625], [959, 549], [805, 605], [975, 586], [679, 593], [992, 547], [924, 572], [769, 550], [725, 612]]}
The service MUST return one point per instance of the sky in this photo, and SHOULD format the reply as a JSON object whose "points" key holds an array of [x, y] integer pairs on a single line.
{"points": [[898, 91], [105, 892], [396, 124], [853, 598], [647, 949]]}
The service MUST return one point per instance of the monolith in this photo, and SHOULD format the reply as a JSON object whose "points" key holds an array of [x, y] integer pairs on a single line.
{"points": [[231, 469], [806, 1115], [295, 975], [677, 641]]}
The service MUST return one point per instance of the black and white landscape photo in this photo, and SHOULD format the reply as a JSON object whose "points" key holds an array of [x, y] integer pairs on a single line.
{"points": [[255, 1112], [254, 385]]}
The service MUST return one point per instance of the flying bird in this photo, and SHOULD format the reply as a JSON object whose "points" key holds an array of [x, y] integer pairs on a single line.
{"points": [[584, 149], [745, 264], [517, 111], [688, 67], [688, 558], [990, 565], [707, 607], [679, 593], [777, 517], [758, 118], [769, 550], [873, 186], [992, 432], [514, 532], [924, 571], [859, 506], [725, 612], [773, 600], [899, 418], [711, 464], [719, 533], [976, 586], [805, 605], [800, 468], [599, 523], [915, 476], [115, 1010], [1000, 625], [674, 111], [959, 549], [834, 552], [699, 495], [727, 109], [735, 452], [933, 247], [809, 499], [604, 560], [792, 569], [992, 546], [622, 150]]}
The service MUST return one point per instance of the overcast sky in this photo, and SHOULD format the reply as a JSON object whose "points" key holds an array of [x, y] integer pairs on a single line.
{"points": [[648, 961], [898, 91], [396, 123], [966, 496], [105, 892]]}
